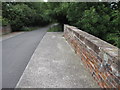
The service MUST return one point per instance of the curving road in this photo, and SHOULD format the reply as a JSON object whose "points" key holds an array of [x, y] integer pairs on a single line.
{"points": [[16, 53]]}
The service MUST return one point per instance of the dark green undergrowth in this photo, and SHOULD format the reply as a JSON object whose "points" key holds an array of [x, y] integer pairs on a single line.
{"points": [[114, 39], [29, 28], [57, 28]]}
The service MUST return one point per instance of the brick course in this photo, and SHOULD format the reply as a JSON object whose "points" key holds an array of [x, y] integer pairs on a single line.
{"points": [[100, 57], [5, 30]]}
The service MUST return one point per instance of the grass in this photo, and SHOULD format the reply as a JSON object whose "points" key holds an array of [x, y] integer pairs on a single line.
{"points": [[29, 28], [57, 28]]}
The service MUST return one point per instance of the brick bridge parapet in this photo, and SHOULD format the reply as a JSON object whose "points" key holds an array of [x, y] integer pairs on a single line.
{"points": [[100, 57]]}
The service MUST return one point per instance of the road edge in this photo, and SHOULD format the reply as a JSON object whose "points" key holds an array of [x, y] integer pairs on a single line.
{"points": [[5, 37], [29, 62]]}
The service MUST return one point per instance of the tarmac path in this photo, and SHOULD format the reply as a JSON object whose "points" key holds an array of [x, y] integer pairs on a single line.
{"points": [[16, 53]]}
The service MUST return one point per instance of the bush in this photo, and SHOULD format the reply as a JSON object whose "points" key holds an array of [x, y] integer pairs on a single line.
{"points": [[114, 38], [4, 21], [99, 19], [25, 29], [29, 28], [20, 15], [57, 28]]}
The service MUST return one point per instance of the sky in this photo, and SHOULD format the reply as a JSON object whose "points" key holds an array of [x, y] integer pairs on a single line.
{"points": [[45, 0]]}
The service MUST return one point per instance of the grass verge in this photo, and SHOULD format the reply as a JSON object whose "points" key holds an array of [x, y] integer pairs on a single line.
{"points": [[57, 28], [29, 28]]}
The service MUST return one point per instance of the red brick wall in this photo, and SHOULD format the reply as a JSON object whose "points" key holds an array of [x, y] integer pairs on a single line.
{"points": [[100, 57], [5, 30]]}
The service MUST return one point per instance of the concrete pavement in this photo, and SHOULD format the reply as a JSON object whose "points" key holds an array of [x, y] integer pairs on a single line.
{"points": [[16, 53], [54, 64]]}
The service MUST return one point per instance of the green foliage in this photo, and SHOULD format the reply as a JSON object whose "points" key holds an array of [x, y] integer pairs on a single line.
{"points": [[113, 39], [25, 29], [29, 28], [21, 14], [0, 20], [99, 19], [4, 21], [57, 28], [89, 19]]}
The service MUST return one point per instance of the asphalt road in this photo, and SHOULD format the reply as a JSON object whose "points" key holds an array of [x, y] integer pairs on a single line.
{"points": [[16, 53]]}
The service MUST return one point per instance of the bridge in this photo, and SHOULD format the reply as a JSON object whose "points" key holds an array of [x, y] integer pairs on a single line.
{"points": [[73, 59]]}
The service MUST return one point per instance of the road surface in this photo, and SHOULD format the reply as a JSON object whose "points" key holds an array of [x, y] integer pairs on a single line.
{"points": [[16, 53]]}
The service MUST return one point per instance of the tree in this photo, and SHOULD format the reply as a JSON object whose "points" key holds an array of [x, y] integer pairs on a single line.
{"points": [[100, 19]]}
